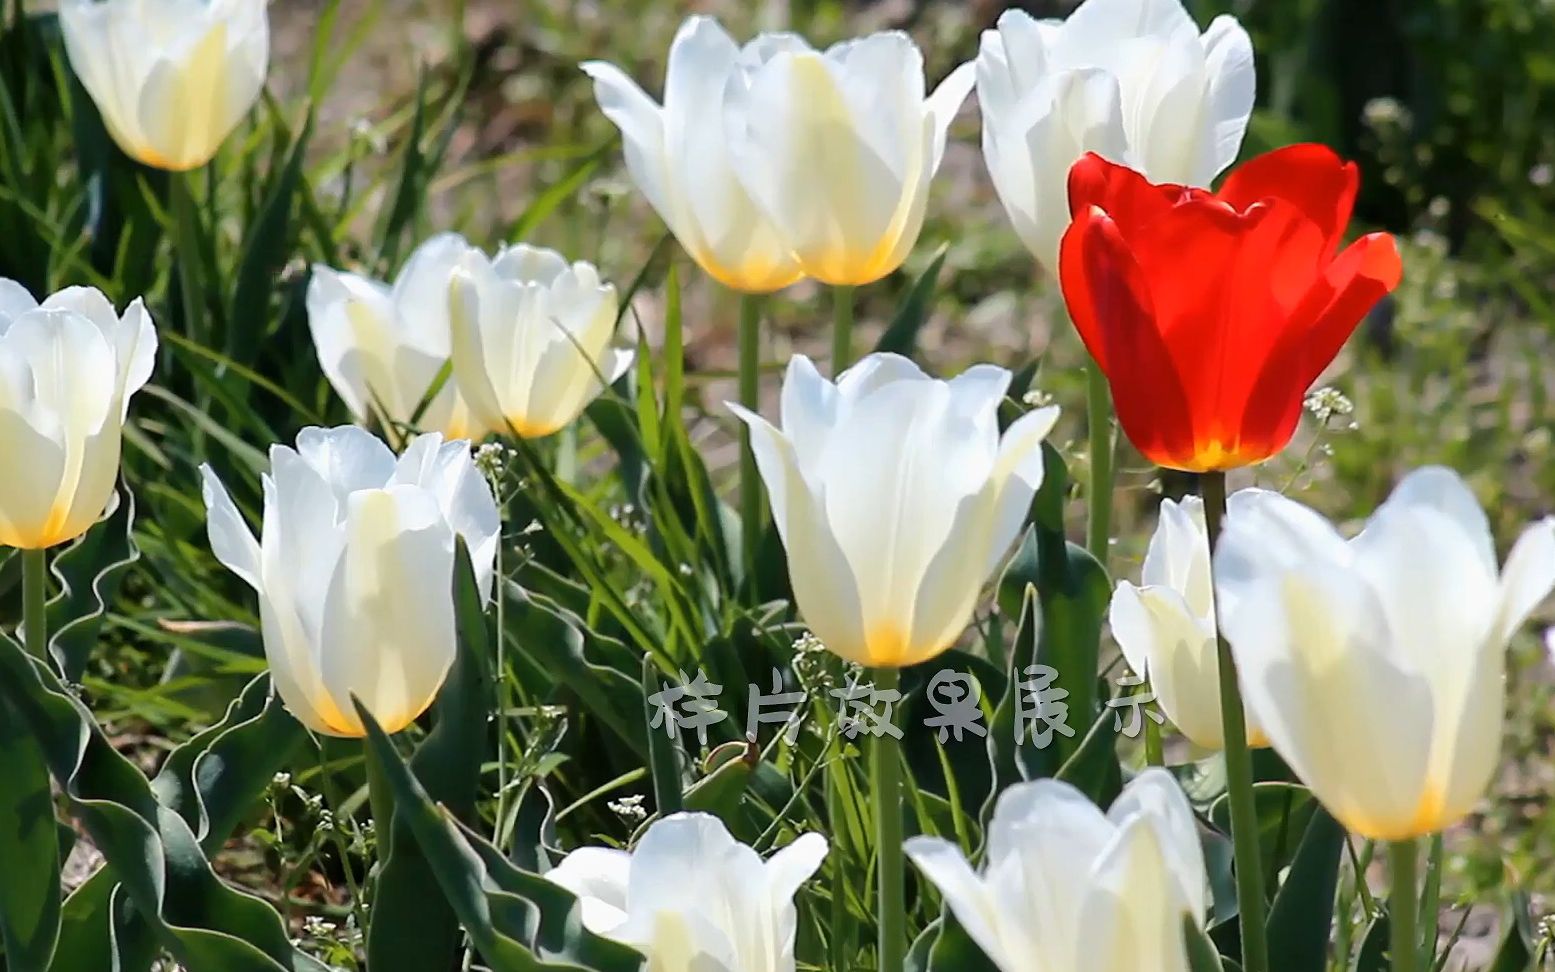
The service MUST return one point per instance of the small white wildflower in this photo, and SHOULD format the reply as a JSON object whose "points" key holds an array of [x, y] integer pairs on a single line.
{"points": [[1542, 174], [629, 808], [1036, 398], [1326, 402]]}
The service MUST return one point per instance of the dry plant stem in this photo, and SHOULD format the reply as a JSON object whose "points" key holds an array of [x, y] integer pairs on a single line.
{"points": [[750, 397], [1239, 768], [1403, 909], [842, 330], [886, 794]]}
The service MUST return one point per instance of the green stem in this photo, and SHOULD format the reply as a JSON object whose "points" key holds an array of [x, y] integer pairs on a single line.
{"points": [[1239, 769], [186, 223], [750, 397], [1403, 913], [35, 596], [380, 797], [842, 330], [1154, 756], [1098, 418], [885, 769]]}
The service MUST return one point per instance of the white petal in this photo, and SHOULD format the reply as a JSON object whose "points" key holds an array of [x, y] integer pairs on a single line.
{"points": [[1444, 491], [352, 320], [1527, 578], [1228, 53], [232, 541], [447, 470], [969, 898], [1265, 533], [1154, 796], [420, 294], [14, 300], [346, 457], [598, 876]]}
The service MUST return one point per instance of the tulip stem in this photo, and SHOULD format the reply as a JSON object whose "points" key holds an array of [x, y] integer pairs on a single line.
{"points": [[1403, 913], [886, 793], [1098, 420], [186, 224], [380, 798], [750, 397], [1239, 768], [35, 596], [842, 330]]}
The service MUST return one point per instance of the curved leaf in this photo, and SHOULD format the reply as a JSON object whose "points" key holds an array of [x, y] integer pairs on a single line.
{"points": [[88, 572]]}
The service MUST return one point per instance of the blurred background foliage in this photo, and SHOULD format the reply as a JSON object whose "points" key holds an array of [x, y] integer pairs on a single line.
{"points": [[387, 120]]}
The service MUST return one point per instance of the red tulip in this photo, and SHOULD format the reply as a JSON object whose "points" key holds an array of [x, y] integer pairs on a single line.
{"points": [[1212, 313]]}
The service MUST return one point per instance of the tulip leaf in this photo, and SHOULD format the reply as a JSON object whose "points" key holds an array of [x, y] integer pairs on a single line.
{"points": [[211, 781], [517, 920], [29, 846], [901, 335], [409, 931], [663, 750], [1515, 952], [727, 773], [87, 574], [206, 925], [1304, 905], [1202, 956], [954, 951], [1373, 956], [1283, 810]]}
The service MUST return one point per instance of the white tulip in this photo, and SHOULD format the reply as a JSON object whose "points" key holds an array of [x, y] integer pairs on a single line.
{"points": [[67, 370], [896, 498], [1132, 80], [839, 147], [532, 338], [1066, 887], [355, 568], [1166, 626], [171, 78], [692, 898], [382, 347], [1376, 666], [679, 157]]}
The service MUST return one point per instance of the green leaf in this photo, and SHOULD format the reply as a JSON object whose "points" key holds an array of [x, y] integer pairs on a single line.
{"points": [[1202, 956], [29, 846], [954, 950], [1303, 908], [409, 930], [517, 921], [1283, 810], [663, 751], [88, 573], [205, 924], [901, 335], [726, 774]]}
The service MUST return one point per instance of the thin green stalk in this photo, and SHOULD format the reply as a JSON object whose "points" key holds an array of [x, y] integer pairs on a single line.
{"points": [[842, 330], [1239, 770], [1098, 498], [35, 596], [567, 454], [186, 239], [750, 397], [885, 770], [1403, 908], [1153, 753]]}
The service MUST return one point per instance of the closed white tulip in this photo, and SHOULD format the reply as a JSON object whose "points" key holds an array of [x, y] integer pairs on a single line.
{"points": [[692, 898], [171, 78], [533, 338], [67, 370], [1067, 887], [1132, 80], [382, 347], [1376, 665], [896, 498], [1166, 626], [354, 569], [679, 157], [839, 147]]}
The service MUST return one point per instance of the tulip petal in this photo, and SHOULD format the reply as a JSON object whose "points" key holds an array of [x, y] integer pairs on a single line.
{"points": [[598, 876], [1129, 919], [1527, 578], [1174, 648], [1443, 491], [1309, 176], [809, 408], [1264, 534], [232, 541], [346, 457], [965, 893], [14, 301], [642, 132], [1154, 796], [1228, 54], [446, 470]]}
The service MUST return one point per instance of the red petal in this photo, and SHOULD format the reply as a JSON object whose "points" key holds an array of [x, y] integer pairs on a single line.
{"points": [[1128, 197], [1308, 175], [1110, 301]]}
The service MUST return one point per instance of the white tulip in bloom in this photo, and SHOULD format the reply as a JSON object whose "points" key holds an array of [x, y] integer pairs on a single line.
{"points": [[355, 567], [692, 898], [1132, 80], [896, 498], [1166, 626], [839, 147], [679, 157], [67, 370], [533, 338], [1067, 887], [1376, 665], [171, 78], [383, 347]]}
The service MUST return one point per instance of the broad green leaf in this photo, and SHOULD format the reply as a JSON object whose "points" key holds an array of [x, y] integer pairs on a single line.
{"points": [[1303, 908], [29, 847], [901, 335], [86, 576]]}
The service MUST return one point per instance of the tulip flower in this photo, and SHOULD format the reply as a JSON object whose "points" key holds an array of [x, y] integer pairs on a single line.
{"points": [[382, 347], [1376, 666], [1211, 314], [1133, 80], [896, 498], [1166, 626], [171, 78], [532, 338], [838, 147], [1067, 887], [67, 370], [679, 157], [355, 569], [693, 899]]}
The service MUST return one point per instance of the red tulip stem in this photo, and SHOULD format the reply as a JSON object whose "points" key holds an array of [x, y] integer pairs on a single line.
{"points": [[1239, 768]]}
